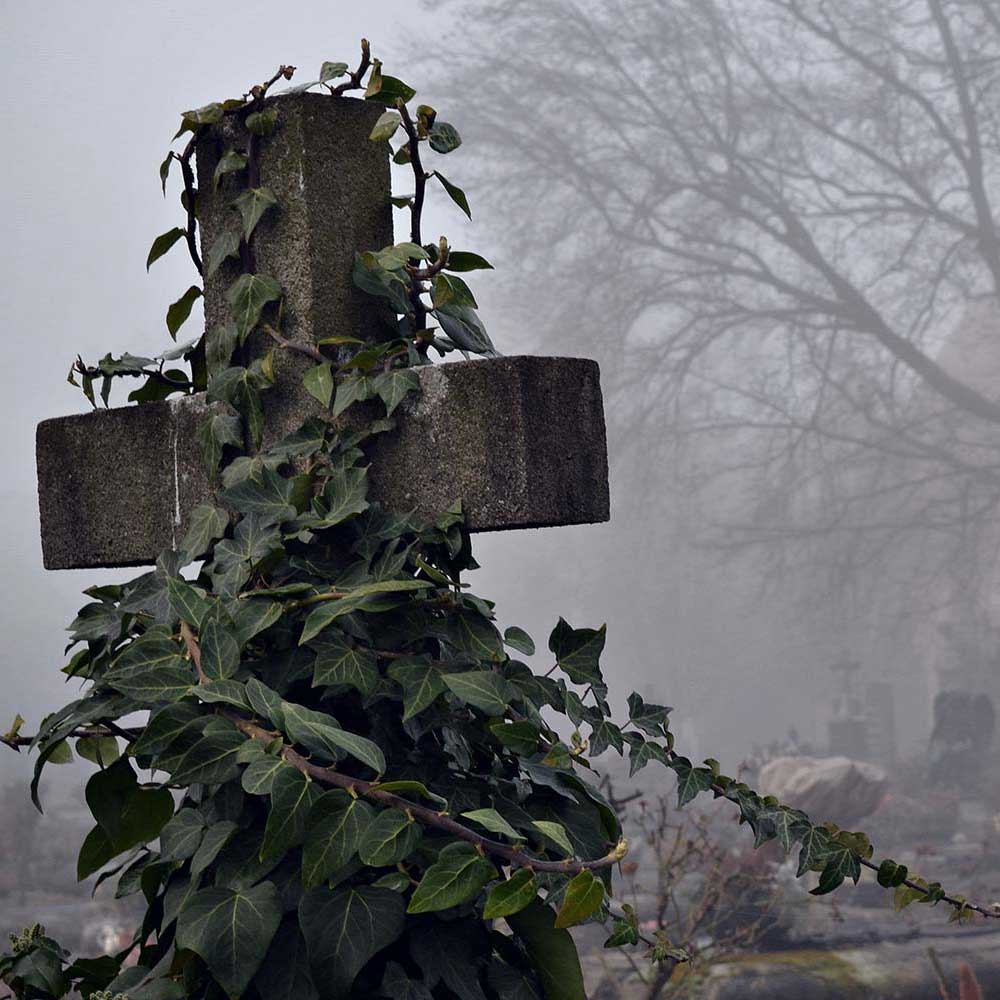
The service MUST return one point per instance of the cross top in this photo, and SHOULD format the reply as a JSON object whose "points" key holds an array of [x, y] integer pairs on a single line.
{"points": [[520, 440]]}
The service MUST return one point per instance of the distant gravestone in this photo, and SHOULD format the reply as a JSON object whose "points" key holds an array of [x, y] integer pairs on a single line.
{"points": [[519, 441]]}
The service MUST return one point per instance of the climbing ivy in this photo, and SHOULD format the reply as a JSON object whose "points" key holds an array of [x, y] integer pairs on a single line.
{"points": [[345, 773]]}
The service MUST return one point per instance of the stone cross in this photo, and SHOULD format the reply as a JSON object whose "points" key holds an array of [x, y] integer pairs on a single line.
{"points": [[520, 441]]}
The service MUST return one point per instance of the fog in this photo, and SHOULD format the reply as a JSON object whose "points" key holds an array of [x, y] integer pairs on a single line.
{"points": [[786, 264]]}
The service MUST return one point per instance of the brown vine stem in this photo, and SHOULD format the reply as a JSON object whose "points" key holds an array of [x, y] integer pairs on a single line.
{"points": [[354, 83], [514, 856], [294, 345], [104, 730], [194, 651], [416, 211]]}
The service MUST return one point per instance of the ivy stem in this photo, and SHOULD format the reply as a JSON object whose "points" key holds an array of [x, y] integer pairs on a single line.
{"points": [[416, 211], [194, 651], [514, 856], [294, 345]]}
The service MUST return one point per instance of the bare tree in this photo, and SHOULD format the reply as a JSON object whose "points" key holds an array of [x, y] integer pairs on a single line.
{"points": [[773, 215]]}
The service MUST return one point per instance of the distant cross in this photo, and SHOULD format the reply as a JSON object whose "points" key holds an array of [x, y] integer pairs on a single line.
{"points": [[519, 441]]}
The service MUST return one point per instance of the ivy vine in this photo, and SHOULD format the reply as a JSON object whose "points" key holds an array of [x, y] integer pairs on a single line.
{"points": [[346, 773]]}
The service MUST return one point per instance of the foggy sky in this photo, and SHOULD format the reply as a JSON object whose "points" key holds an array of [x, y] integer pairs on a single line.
{"points": [[91, 96]]}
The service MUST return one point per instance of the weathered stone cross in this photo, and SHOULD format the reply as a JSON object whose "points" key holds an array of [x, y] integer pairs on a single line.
{"points": [[520, 441]]}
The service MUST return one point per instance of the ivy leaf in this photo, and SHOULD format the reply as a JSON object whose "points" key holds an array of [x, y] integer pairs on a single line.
{"points": [[182, 835], [444, 138], [518, 639], [220, 652], [477, 636], [266, 493], [163, 243], [555, 832], [226, 244], [493, 821], [841, 863], [642, 754], [395, 385], [815, 850], [890, 874], [165, 166], [331, 70], [651, 719], [344, 929], [385, 127], [482, 689], [583, 897], [181, 309], [691, 780], [391, 837], [338, 824], [421, 683], [215, 839], [464, 260], [264, 701], [188, 603], [206, 524], [285, 974], [215, 432], [229, 163], [511, 896], [456, 877], [318, 382], [164, 727], [521, 737], [456, 194], [224, 692], [100, 750], [230, 929], [338, 662], [258, 778], [353, 389], [247, 297], [210, 761], [292, 797], [322, 734], [551, 952], [578, 651], [251, 205]]}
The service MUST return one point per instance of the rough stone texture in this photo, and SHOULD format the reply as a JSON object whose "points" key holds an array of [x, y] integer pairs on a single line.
{"points": [[520, 441], [332, 186]]}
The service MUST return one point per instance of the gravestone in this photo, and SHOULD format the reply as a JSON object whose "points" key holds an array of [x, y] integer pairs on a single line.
{"points": [[519, 441]]}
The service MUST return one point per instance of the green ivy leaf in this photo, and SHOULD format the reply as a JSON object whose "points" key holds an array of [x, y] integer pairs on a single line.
{"points": [[331, 70], [247, 297], [339, 662], [456, 877], [226, 244], [230, 929], [385, 127], [482, 689], [582, 898], [464, 260], [182, 835], [163, 243], [390, 838], [555, 832], [691, 780], [344, 929], [421, 683], [493, 821], [890, 874], [258, 778], [251, 205], [456, 194], [337, 826], [551, 952], [318, 382], [444, 137], [181, 309], [395, 385], [321, 733], [511, 896], [518, 639], [578, 651], [262, 122], [205, 524], [229, 163], [293, 795]]}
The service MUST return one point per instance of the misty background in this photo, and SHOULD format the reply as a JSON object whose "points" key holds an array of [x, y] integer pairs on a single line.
{"points": [[771, 223]]}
